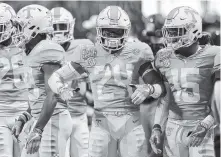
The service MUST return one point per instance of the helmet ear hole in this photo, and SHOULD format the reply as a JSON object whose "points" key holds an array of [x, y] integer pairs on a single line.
{"points": [[32, 27], [33, 34], [195, 31]]}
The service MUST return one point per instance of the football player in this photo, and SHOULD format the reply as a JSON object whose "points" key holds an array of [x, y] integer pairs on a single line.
{"points": [[114, 67], [43, 58], [63, 24], [189, 69], [13, 89]]}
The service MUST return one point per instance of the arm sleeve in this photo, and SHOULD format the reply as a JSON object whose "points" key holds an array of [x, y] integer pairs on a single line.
{"points": [[216, 67], [148, 74]]}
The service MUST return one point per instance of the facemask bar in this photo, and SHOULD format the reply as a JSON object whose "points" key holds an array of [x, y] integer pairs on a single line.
{"points": [[6, 30], [109, 43], [177, 37], [62, 35]]}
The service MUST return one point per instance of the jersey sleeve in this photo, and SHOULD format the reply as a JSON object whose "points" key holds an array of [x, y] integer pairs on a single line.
{"points": [[216, 67], [46, 52], [146, 53]]}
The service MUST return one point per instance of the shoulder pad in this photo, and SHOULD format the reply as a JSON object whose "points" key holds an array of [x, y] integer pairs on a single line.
{"points": [[77, 42], [46, 51], [211, 50], [142, 49], [162, 56], [80, 50]]}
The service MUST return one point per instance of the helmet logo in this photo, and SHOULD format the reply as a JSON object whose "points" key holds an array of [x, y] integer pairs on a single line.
{"points": [[9, 9], [191, 12], [57, 13], [172, 15], [114, 15], [28, 9]]}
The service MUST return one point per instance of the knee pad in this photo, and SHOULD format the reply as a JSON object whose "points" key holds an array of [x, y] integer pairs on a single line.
{"points": [[98, 143], [134, 143]]}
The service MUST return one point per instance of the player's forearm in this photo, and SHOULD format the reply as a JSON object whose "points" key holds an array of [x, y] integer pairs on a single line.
{"points": [[161, 113], [153, 78], [162, 110], [217, 92], [47, 111], [63, 75], [158, 88]]}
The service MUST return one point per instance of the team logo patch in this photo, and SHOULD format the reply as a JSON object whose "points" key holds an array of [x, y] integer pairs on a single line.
{"points": [[169, 131], [136, 51], [163, 58], [88, 52], [166, 63], [91, 62]]}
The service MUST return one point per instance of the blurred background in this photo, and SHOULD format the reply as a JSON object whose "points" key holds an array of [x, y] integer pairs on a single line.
{"points": [[147, 16]]}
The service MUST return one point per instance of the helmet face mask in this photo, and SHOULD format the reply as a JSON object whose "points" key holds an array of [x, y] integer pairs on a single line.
{"points": [[182, 27], [6, 22], [112, 38], [63, 24], [113, 26]]}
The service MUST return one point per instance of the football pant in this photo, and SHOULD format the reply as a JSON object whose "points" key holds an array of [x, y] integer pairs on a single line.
{"points": [[9, 145], [177, 140], [55, 136], [117, 134], [79, 139]]}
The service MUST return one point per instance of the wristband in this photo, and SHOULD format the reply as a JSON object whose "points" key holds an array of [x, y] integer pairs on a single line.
{"points": [[27, 115], [157, 90], [157, 126], [22, 119], [38, 131], [208, 122]]}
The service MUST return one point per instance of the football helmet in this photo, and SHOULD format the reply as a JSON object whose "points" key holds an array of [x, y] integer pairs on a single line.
{"points": [[63, 24], [32, 20], [7, 17], [113, 26], [182, 27]]}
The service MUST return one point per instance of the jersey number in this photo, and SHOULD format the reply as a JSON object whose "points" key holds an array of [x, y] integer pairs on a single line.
{"points": [[18, 73], [116, 74], [186, 91]]}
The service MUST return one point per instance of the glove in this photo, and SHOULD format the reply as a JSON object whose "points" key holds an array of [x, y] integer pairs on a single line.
{"points": [[141, 93], [17, 128], [34, 141], [197, 136], [66, 93], [155, 139], [19, 124]]}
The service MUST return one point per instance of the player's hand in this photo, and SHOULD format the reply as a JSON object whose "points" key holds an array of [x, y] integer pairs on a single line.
{"points": [[197, 136], [67, 93], [155, 140], [141, 93], [17, 128], [34, 141]]}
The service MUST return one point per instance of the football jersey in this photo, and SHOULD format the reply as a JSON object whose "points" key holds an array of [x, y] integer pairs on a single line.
{"points": [[111, 74], [44, 52], [13, 89], [76, 105], [190, 80]]}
